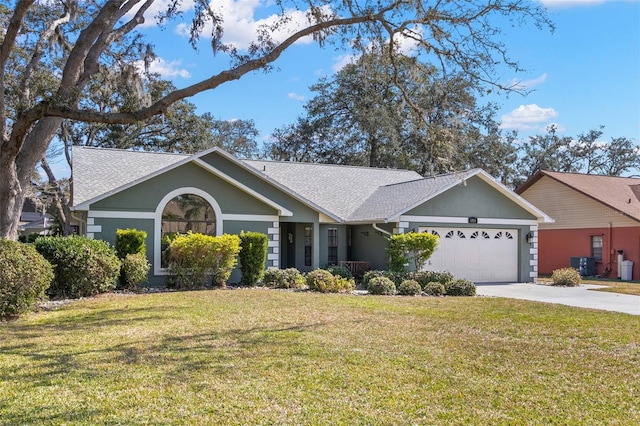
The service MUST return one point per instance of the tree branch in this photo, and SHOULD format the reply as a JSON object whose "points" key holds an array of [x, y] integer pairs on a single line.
{"points": [[8, 43], [164, 103]]}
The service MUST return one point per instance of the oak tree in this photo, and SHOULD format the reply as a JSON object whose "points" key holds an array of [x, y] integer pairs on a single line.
{"points": [[52, 52]]}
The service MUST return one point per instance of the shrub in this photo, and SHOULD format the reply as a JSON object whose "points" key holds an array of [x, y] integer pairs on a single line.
{"points": [[325, 282], [340, 271], [568, 277], [434, 288], [460, 288], [135, 271], [401, 248], [409, 288], [82, 266], [24, 277], [253, 256], [369, 275], [381, 285], [426, 277], [197, 260], [283, 278], [130, 241]]}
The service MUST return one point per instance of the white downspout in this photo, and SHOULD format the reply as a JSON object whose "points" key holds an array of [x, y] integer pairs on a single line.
{"points": [[380, 229]]}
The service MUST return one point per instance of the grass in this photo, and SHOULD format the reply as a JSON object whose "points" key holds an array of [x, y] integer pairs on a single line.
{"points": [[612, 285], [279, 357]]}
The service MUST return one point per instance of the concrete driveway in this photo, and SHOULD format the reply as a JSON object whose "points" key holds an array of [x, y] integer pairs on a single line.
{"points": [[580, 296]]}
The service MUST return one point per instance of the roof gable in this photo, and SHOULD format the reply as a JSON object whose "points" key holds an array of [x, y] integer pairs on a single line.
{"points": [[389, 202], [340, 190], [619, 193]]}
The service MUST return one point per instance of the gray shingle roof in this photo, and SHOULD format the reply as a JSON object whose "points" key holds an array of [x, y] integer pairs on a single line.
{"points": [[346, 193], [391, 200], [338, 189], [98, 171]]}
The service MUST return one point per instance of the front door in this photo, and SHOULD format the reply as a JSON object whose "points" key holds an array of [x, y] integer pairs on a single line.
{"points": [[287, 245]]}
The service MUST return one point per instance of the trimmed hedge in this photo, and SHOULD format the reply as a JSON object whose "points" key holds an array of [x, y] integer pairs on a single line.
{"points": [[135, 271], [82, 266], [283, 278], [325, 282], [435, 288], [426, 277], [396, 277], [24, 277], [130, 241], [253, 256], [341, 271], [460, 288], [197, 260], [381, 286], [409, 288]]}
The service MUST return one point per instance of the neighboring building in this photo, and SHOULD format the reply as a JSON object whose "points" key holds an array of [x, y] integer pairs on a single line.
{"points": [[33, 221], [314, 214], [596, 217]]}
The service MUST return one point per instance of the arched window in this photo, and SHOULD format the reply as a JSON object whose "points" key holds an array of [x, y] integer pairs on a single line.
{"points": [[186, 213]]}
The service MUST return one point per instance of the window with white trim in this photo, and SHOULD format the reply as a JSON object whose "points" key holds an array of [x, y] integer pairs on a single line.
{"points": [[186, 213], [596, 247]]}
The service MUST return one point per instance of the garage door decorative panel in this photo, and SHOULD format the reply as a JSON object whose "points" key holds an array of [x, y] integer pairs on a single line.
{"points": [[479, 255]]}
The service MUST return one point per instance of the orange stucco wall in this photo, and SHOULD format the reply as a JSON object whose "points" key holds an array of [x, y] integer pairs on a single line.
{"points": [[557, 246]]}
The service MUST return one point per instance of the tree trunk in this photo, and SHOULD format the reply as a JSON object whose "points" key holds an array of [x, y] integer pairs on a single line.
{"points": [[16, 170], [11, 197], [60, 200]]}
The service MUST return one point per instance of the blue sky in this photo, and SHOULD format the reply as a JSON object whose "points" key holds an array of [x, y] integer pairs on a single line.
{"points": [[585, 74]]}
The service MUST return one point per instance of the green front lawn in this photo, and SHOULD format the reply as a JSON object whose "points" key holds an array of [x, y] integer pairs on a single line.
{"points": [[279, 357], [612, 285]]}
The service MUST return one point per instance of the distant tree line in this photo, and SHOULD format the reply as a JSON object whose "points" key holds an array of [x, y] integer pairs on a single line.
{"points": [[389, 111]]}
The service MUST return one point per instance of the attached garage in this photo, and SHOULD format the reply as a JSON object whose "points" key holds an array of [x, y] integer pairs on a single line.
{"points": [[477, 254]]}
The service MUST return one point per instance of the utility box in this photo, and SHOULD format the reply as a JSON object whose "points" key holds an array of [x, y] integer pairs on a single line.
{"points": [[627, 270], [586, 266]]}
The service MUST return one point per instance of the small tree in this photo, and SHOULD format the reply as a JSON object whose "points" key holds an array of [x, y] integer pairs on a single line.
{"points": [[403, 247], [253, 256]]}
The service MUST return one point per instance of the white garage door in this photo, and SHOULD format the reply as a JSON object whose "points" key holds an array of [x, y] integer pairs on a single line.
{"points": [[479, 255]]}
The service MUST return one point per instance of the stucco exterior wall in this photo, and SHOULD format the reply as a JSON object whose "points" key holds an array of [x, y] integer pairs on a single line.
{"points": [[559, 245], [473, 198]]}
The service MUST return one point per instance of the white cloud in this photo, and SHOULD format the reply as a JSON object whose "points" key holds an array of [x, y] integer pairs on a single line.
{"points": [[527, 117], [168, 69], [342, 61], [296, 97], [241, 25], [157, 7], [527, 84]]}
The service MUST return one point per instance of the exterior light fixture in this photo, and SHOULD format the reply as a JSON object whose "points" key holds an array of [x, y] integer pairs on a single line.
{"points": [[529, 238]]}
